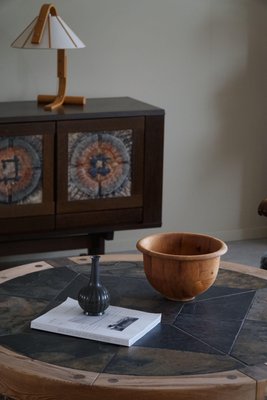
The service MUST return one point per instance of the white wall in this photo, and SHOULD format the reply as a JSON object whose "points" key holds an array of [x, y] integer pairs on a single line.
{"points": [[203, 61]]}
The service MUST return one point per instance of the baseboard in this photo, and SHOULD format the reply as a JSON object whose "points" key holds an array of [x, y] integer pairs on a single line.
{"points": [[241, 234], [127, 241]]}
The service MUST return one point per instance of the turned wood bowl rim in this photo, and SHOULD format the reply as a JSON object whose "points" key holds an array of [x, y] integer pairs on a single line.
{"points": [[180, 257]]}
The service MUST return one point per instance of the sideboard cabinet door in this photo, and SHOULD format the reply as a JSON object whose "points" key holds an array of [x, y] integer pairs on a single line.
{"points": [[26, 177], [100, 172]]}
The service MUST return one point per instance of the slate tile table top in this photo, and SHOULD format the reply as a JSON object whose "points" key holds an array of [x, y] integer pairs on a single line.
{"points": [[214, 347]]}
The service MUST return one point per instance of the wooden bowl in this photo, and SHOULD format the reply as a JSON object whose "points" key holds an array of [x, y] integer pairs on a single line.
{"points": [[181, 265]]}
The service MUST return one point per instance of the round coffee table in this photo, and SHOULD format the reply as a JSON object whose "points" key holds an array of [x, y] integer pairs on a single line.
{"points": [[214, 347]]}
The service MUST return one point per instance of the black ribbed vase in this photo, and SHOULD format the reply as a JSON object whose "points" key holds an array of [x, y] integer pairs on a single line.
{"points": [[94, 298]]}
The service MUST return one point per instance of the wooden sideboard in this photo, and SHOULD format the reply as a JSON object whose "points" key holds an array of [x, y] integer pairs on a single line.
{"points": [[71, 177]]}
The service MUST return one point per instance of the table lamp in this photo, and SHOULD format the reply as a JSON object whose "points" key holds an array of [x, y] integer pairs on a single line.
{"points": [[49, 31]]}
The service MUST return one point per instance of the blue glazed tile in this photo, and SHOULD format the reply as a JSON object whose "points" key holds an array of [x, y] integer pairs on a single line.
{"points": [[165, 362], [169, 337], [219, 291], [233, 279], [61, 350], [216, 321], [226, 308], [258, 309], [40, 285], [251, 344], [219, 334], [16, 312]]}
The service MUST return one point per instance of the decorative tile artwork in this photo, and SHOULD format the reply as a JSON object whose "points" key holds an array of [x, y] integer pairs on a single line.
{"points": [[99, 164], [21, 169]]}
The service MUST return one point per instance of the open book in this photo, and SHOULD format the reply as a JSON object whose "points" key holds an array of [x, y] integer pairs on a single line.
{"points": [[117, 325]]}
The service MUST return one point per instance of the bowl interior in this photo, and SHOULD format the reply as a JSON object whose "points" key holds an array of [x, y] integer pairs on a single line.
{"points": [[184, 244]]}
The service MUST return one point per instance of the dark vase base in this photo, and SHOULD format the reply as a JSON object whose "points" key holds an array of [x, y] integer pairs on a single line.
{"points": [[94, 314]]}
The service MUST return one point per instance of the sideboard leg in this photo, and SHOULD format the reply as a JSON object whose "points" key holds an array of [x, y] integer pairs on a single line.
{"points": [[96, 243]]}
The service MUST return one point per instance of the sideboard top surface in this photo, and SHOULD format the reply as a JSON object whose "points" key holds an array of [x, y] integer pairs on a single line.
{"points": [[111, 107]]}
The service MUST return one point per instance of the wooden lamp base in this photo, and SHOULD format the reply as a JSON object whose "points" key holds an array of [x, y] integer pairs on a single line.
{"points": [[75, 100], [60, 98]]}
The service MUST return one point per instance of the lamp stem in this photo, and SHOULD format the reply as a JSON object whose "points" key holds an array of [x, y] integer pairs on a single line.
{"points": [[62, 80], [60, 98]]}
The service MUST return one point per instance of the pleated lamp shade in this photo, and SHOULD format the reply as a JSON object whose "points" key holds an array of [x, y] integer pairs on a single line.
{"points": [[56, 35]]}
